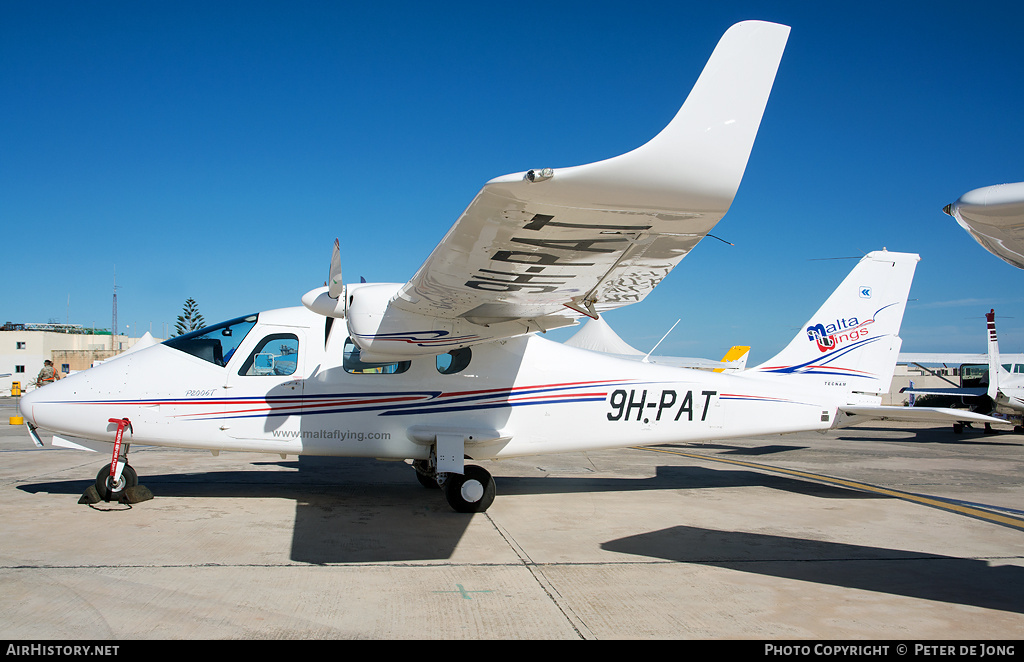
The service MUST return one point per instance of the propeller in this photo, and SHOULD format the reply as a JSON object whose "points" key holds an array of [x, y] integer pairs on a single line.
{"points": [[335, 286]]}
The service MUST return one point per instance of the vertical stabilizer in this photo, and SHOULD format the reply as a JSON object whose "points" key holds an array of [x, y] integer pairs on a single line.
{"points": [[853, 341], [736, 357], [993, 355]]}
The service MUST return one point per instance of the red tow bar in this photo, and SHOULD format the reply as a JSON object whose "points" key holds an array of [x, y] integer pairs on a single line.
{"points": [[122, 423]]}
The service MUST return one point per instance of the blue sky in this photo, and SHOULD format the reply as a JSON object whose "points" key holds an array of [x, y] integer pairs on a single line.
{"points": [[214, 150]]}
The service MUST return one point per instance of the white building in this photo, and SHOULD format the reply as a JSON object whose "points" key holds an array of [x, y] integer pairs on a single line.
{"points": [[24, 347]]}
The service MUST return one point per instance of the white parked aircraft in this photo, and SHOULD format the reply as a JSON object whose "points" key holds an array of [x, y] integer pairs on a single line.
{"points": [[448, 367], [994, 216], [1004, 392], [597, 336]]}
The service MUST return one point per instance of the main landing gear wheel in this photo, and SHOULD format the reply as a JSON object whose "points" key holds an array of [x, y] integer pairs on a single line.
{"points": [[470, 492], [108, 490]]}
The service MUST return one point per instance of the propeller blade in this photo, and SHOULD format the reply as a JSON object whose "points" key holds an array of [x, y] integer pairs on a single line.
{"points": [[334, 283]]}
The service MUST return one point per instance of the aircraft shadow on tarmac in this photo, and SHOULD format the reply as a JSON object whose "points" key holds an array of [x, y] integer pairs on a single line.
{"points": [[351, 510], [726, 449], [973, 437], [948, 579]]}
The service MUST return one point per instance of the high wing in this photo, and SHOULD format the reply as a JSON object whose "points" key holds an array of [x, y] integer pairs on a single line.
{"points": [[854, 414], [603, 235], [535, 250], [994, 216]]}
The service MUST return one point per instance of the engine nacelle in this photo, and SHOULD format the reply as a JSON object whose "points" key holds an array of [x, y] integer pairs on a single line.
{"points": [[386, 333]]}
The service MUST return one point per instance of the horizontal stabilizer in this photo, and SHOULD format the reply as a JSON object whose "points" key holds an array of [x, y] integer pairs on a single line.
{"points": [[941, 358], [952, 390], [851, 415]]}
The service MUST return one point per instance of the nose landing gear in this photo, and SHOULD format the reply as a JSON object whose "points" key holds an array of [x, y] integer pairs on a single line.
{"points": [[109, 489], [117, 481]]}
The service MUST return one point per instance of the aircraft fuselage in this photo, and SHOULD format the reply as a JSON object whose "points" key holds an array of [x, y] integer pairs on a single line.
{"points": [[519, 396]]}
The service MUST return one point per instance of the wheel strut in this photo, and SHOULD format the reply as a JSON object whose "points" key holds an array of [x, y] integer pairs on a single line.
{"points": [[116, 464], [117, 481]]}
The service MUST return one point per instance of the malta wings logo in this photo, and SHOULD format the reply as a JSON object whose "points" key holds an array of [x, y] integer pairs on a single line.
{"points": [[842, 331]]}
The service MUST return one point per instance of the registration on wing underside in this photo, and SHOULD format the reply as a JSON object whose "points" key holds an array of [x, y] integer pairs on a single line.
{"points": [[511, 263]]}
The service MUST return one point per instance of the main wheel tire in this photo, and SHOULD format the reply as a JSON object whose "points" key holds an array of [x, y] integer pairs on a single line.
{"points": [[107, 490], [470, 492]]}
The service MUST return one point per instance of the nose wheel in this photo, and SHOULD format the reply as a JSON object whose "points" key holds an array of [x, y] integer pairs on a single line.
{"points": [[117, 481], [108, 489]]}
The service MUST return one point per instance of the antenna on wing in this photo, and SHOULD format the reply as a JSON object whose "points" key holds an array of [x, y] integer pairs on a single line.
{"points": [[644, 360], [335, 286]]}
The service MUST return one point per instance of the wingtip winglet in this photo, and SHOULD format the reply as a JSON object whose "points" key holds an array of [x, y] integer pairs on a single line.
{"points": [[696, 162]]}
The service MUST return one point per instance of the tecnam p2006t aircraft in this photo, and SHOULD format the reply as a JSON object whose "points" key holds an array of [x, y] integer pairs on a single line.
{"points": [[448, 366]]}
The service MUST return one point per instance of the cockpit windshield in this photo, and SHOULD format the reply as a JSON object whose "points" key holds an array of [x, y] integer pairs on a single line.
{"points": [[215, 343]]}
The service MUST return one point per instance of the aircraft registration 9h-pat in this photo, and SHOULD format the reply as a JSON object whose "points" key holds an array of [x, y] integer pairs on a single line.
{"points": [[448, 366]]}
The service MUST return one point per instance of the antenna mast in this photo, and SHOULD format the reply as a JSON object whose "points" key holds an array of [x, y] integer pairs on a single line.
{"points": [[113, 326]]}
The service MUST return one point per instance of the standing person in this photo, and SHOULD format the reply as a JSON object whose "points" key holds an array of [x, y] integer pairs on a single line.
{"points": [[48, 374]]}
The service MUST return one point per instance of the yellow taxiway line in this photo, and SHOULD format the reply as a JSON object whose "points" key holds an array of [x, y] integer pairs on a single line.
{"points": [[1011, 521]]}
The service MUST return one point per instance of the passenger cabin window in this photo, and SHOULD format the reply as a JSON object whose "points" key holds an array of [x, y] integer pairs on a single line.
{"points": [[216, 343], [454, 361], [277, 354], [352, 364]]}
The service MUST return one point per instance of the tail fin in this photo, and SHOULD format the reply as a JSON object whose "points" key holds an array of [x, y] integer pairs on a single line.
{"points": [[853, 339], [993, 355], [736, 357]]}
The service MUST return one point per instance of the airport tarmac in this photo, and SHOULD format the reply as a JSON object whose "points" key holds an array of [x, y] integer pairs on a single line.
{"points": [[879, 532]]}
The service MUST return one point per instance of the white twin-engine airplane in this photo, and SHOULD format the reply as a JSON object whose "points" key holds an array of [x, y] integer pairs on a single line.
{"points": [[448, 366]]}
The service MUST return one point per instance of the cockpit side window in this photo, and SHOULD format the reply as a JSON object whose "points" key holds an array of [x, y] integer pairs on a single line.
{"points": [[277, 354], [215, 343], [352, 364]]}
